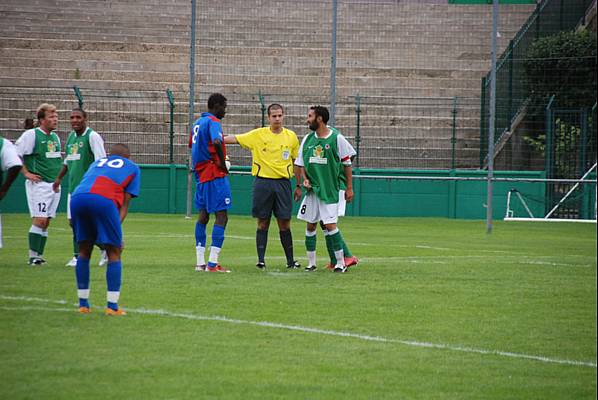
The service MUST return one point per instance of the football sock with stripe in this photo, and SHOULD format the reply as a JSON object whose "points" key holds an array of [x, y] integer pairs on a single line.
{"points": [[310, 246], [261, 242], [35, 240], [329, 247], [200, 243], [286, 239], [113, 281], [43, 242], [337, 246], [346, 250], [82, 275], [217, 241]]}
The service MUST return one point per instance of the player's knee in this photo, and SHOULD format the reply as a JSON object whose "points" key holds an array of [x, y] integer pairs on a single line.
{"points": [[263, 224], [203, 218], [284, 224], [41, 222]]}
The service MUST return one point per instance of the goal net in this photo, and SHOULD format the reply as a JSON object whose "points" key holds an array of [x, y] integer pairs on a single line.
{"points": [[564, 200]]}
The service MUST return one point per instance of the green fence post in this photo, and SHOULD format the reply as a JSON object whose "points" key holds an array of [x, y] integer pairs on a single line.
{"points": [[452, 196], [263, 108], [483, 122], [583, 161], [171, 106], [548, 153], [510, 84], [172, 167], [357, 182], [454, 132], [357, 127], [79, 96]]}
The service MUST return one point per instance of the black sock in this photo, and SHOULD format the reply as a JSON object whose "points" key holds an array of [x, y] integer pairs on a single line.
{"points": [[286, 238], [261, 241]]}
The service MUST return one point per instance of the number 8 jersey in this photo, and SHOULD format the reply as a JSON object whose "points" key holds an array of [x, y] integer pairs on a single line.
{"points": [[111, 178]]}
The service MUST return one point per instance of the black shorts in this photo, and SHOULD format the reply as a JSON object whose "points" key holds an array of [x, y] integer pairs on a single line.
{"points": [[272, 196]]}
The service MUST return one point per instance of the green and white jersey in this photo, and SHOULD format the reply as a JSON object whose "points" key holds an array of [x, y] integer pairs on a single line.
{"points": [[81, 151], [41, 152], [8, 156], [323, 160]]}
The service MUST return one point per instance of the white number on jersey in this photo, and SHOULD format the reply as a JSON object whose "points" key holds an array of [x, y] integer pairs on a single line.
{"points": [[116, 163]]}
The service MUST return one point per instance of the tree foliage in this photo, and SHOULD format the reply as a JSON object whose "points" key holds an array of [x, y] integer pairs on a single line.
{"points": [[563, 65]]}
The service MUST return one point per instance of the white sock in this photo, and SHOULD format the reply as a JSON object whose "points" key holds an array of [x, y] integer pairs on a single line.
{"points": [[214, 253], [311, 258], [113, 297], [200, 252], [340, 257]]}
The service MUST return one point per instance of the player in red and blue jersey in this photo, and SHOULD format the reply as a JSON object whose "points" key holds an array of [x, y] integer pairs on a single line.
{"points": [[212, 194], [99, 205]]}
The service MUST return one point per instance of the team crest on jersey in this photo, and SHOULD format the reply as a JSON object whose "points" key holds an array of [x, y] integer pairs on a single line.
{"points": [[74, 152], [52, 148], [317, 158]]}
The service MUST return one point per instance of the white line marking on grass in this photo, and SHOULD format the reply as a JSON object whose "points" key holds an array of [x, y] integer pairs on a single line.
{"points": [[298, 328]]}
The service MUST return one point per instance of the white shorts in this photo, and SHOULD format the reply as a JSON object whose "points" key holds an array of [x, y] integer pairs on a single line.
{"points": [[42, 200], [68, 207], [312, 209]]}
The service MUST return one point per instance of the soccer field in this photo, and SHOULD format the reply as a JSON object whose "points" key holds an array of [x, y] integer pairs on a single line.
{"points": [[436, 309]]}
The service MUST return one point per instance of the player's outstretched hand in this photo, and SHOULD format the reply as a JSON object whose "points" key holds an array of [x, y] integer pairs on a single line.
{"points": [[349, 195], [306, 184], [56, 186], [297, 194]]}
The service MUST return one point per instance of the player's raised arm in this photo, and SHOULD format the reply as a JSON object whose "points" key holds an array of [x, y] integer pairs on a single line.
{"points": [[231, 139]]}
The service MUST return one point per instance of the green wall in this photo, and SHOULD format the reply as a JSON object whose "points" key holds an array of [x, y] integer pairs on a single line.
{"points": [[373, 197]]}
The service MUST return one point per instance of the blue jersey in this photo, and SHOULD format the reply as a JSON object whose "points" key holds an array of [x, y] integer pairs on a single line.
{"points": [[205, 131], [111, 177]]}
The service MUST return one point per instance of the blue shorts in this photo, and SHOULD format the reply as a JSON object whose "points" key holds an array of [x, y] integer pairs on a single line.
{"points": [[96, 219], [213, 195]]}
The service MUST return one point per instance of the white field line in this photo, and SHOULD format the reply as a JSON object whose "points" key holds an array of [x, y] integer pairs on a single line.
{"points": [[297, 328], [191, 236]]}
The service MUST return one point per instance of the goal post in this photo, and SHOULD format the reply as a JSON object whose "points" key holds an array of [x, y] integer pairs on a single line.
{"points": [[575, 197]]}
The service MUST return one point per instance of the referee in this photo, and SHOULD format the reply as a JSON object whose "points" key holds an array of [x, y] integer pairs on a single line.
{"points": [[273, 150]]}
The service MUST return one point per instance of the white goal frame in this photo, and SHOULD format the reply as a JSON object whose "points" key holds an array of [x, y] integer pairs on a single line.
{"points": [[509, 212]]}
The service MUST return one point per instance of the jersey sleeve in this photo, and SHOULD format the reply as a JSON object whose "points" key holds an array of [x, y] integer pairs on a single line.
{"points": [[345, 150], [134, 185], [215, 131], [295, 148], [97, 145], [26, 143], [299, 159], [247, 140], [8, 156]]}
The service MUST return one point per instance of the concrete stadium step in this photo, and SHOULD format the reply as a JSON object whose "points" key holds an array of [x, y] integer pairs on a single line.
{"points": [[271, 89]]}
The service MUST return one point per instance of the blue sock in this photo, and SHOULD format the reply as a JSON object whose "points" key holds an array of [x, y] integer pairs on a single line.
{"points": [[113, 280], [200, 234], [217, 236], [82, 275]]}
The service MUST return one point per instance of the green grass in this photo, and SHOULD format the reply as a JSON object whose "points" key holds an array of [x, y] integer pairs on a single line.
{"points": [[437, 309]]}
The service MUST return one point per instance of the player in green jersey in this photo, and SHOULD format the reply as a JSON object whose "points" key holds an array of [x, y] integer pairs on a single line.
{"points": [[40, 150], [83, 147], [324, 161]]}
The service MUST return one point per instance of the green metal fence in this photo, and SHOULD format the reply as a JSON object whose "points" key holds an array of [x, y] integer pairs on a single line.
{"points": [[512, 92]]}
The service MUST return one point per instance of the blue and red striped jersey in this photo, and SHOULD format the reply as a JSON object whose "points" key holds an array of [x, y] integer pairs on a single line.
{"points": [[111, 177], [203, 153]]}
